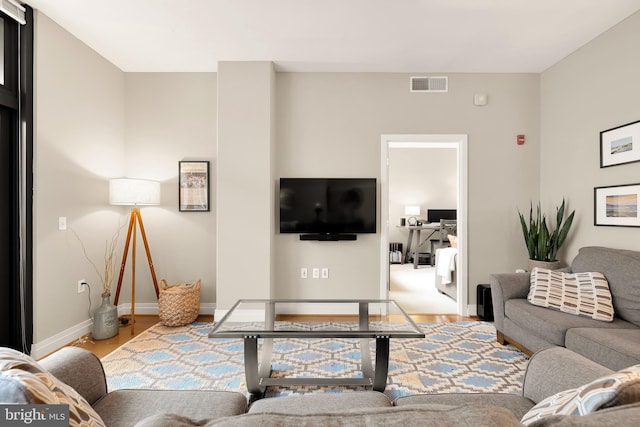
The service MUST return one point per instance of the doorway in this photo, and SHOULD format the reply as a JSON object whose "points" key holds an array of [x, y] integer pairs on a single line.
{"points": [[456, 147]]}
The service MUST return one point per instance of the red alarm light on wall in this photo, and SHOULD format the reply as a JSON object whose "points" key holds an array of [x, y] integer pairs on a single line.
{"points": [[520, 140]]}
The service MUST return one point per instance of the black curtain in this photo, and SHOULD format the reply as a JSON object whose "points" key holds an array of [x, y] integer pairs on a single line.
{"points": [[16, 183]]}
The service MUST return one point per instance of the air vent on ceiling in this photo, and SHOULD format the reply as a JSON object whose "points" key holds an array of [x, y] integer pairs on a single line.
{"points": [[429, 84]]}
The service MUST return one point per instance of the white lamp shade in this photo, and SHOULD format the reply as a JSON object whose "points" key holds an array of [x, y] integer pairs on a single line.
{"points": [[412, 210], [134, 192]]}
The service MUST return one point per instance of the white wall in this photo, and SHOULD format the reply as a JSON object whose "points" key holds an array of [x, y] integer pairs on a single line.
{"points": [[245, 181], [594, 89], [172, 117], [79, 144], [330, 125], [95, 122]]}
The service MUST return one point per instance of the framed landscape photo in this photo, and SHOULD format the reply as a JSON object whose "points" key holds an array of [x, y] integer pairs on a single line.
{"points": [[620, 145], [193, 177], [617, 205]]}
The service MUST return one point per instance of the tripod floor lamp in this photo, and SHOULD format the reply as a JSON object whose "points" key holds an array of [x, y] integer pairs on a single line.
{"points": [[134, 192]]}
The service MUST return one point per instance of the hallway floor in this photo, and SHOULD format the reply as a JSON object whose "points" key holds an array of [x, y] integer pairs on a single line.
{"points": [[415, 290]]}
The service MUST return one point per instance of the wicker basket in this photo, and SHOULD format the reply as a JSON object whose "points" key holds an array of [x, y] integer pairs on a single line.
{"points": [[178, 305]]}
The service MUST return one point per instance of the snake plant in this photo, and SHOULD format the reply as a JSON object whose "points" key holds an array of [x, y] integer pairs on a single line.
{"points": [[543, 245]]}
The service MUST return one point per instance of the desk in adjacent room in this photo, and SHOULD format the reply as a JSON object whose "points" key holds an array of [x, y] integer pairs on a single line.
{"points": [[432, 228]]}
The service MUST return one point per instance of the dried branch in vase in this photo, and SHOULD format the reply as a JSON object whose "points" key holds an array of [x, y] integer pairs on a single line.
{"points": [[110, 261]]}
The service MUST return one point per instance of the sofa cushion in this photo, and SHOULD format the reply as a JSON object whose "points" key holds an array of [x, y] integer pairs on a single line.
{"points": [[518, 405], [405, 416], [585, 294], [40, 387], [325, 402], [619, 388], [613, 348], [620, 416], [556, 369], [622, 270], [552, 325], [125, 407], [80, 369]]}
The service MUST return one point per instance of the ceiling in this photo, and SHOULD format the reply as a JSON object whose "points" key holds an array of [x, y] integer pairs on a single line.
{"points": [[514, 36]]}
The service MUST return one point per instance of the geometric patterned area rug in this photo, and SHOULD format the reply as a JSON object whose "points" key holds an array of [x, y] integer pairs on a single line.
{"points": [[461, 357]]}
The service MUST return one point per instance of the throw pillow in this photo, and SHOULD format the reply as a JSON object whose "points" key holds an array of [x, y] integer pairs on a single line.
{"points": [[615, 389], [12, 390], [40, 387], [584, 294]]}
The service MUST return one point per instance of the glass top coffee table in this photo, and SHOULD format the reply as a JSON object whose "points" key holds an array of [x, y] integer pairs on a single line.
{"points": [[266, 319]]}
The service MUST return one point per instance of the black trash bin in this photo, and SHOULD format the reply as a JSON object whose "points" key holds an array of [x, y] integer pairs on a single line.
{"points": [[484, 302]]}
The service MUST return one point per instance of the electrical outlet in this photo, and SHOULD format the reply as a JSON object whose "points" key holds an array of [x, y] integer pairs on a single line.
{"points": [[62, 223], [324, 273], [82, 285], [303, 273], [316, 273]]}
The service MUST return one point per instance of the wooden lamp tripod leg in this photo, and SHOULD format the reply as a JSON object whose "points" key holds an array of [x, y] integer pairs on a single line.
{"points": [[146, 247], [125, 252], [135, 219], [133, 278]]}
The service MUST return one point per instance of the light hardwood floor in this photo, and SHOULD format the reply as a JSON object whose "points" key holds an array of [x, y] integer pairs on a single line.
{"points": [[143, 322], [103, 347]]}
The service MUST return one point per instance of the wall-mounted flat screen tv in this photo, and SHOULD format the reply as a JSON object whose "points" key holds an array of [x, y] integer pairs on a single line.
{"points": [[328, 205]]}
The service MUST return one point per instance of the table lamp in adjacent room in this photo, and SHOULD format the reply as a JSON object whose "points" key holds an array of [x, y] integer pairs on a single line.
{"points": [[134, 193], [412, 211]]}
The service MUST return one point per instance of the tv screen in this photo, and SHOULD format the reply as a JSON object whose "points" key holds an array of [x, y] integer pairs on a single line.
{"points": [[328, 205]]}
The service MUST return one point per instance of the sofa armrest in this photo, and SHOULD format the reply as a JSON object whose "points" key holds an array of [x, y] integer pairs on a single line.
{"points": [[506, 286], [80, 369], [555, 369]]}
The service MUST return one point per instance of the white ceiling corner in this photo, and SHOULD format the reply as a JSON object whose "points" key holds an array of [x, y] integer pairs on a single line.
{"points": [[514, 36]]}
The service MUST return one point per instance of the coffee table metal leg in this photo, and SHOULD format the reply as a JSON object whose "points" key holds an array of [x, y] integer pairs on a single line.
{"points": [[382, 363], [365, 351], [265, 364], [251, 372], [267, 343], [366, 362]]}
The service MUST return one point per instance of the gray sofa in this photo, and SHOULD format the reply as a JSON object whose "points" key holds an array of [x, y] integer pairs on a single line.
{"points": [[548, 372], [532, 328]]}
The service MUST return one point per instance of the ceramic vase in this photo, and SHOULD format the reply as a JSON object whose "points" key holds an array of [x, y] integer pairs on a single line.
{"points": [[105, 320], [550, 265]]}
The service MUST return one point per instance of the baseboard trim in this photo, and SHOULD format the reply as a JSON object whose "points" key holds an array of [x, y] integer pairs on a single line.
{"points": [[51, 344], [152, 308], [472, 310], [308, 309], [241, 315]]}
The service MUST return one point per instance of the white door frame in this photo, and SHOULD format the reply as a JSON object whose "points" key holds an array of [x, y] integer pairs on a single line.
{"points": [[428, 141]]}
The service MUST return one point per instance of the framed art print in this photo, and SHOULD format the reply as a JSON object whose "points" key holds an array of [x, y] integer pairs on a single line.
{"points": [[193, 186], [620, 145], [617, 205]]}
